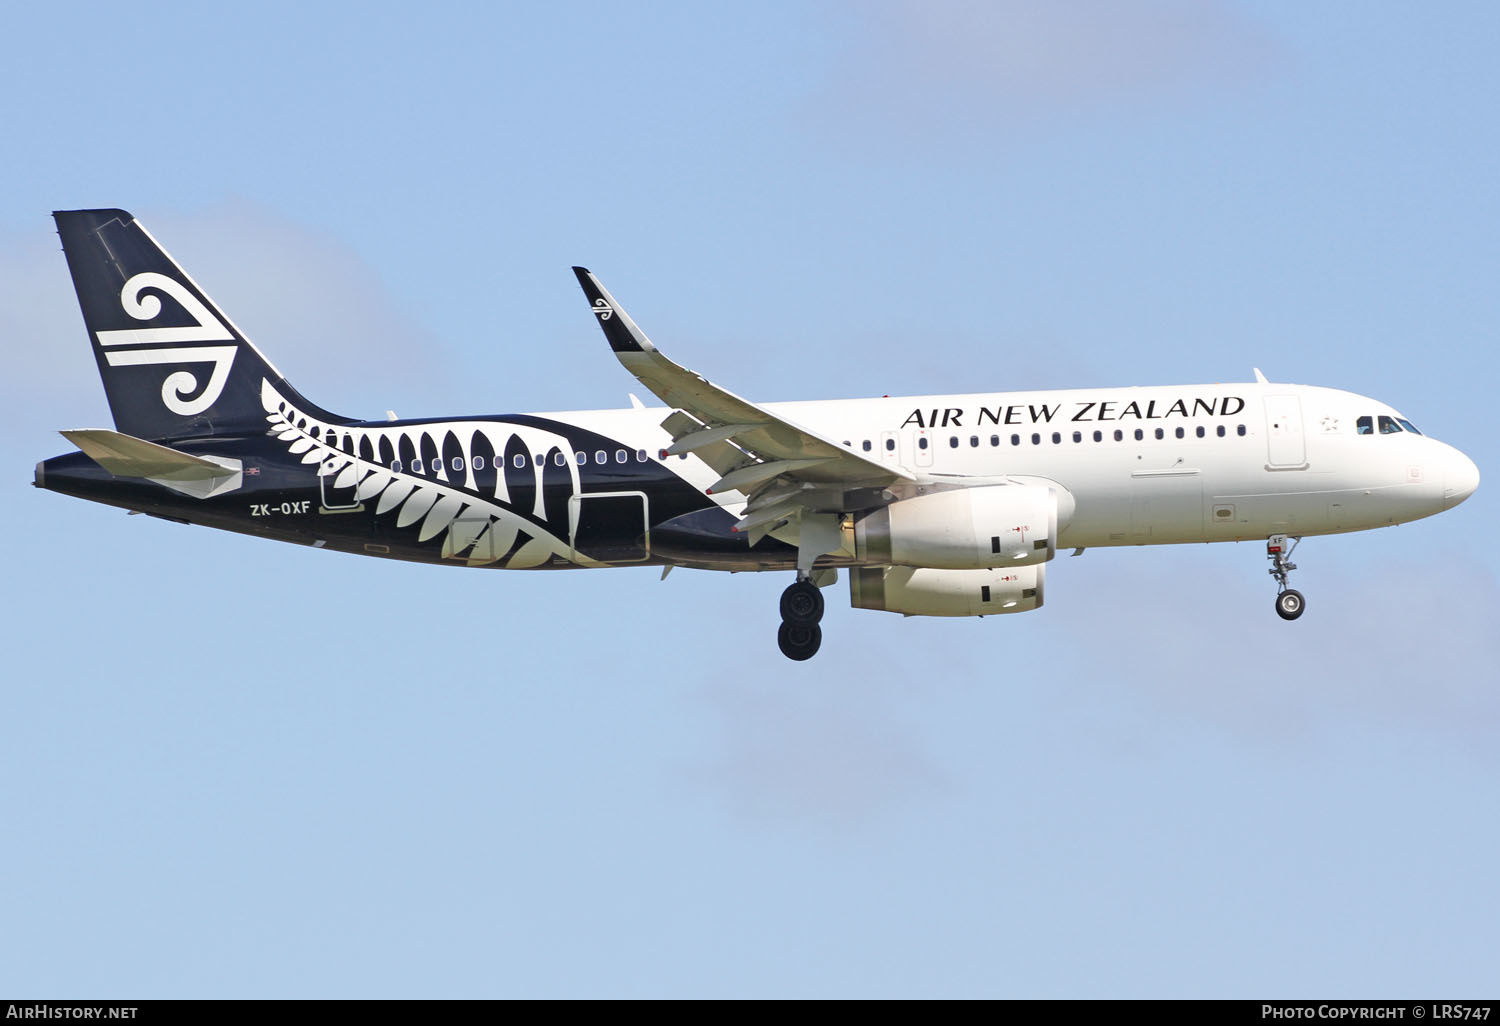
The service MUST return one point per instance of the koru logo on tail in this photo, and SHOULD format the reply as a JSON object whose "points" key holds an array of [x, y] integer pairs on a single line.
{"points": [[603, 309], [132, 347]]}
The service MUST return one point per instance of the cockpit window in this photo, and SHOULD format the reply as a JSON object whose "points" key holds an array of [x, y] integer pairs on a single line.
{"points": [[1408, 425], [1365, 426], [1388, 425]]}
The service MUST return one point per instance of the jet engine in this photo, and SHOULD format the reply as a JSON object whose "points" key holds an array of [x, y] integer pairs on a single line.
{"points": [[921, 591], [986, 526]]}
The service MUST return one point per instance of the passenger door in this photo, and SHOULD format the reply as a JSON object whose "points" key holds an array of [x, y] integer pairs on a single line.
{"points": [[1285, 447]]}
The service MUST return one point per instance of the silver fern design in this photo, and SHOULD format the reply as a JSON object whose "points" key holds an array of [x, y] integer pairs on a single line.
{"points": [[493, 513]]}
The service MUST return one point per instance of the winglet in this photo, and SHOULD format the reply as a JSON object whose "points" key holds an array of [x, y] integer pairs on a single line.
{"points": [[623, 335]]}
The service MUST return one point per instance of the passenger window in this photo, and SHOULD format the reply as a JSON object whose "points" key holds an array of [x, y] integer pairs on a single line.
{"points": [[1015, 439], [1388, 426], [540, 459], [865, 445], [953, 441], [661, 454], [1180, 432], [922, 442], [621, 456], [1201, 432], [416, 467], [640, 455], [1077, 436], [1119, 435], [1240, 430], [1057, 438], [1139, 434], [1036, 439], [478, 462], [1098, 436], [520, 461], [973, 441], [559, 459], [601, 457], [1220, 430], [994, 440], [1160, 434], [890, 445], [1364, 426], [582, 457], [395, 466], [458, 463]]}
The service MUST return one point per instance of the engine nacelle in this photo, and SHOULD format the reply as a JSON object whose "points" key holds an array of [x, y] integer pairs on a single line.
{"points": [[962, 529], [920, 591]]}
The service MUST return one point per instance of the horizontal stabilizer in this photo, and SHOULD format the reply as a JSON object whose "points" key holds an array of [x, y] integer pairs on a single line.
{"points": [[128, 456]]}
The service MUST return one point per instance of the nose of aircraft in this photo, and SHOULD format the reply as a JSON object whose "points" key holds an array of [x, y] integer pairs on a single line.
{"points": [[1461, 480]]}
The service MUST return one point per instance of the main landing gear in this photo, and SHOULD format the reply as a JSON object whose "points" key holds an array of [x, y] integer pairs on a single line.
{"points": [[802, 603], [1289, 601], [801, 609]]}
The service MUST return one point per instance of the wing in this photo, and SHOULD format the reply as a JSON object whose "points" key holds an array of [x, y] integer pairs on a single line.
{"points": [[783, 468]]}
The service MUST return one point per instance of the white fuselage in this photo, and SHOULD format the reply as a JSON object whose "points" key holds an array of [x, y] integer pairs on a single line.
{"points": [[1147, 465]]}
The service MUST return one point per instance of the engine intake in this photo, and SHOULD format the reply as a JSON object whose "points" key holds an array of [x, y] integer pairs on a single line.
{"points": [[920, 591], [962, 529]]}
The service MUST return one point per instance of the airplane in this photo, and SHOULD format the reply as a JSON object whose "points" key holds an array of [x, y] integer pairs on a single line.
{"points": [[947, 505]]}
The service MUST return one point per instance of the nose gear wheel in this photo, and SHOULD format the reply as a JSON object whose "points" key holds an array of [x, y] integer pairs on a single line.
{"points": [[1289, 601]]}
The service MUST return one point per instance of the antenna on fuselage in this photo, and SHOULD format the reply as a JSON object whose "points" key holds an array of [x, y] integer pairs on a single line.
{"points": [[1259, 377]]}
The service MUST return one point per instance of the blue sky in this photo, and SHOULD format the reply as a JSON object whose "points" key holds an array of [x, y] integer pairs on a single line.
{"points": [[233, 768]]}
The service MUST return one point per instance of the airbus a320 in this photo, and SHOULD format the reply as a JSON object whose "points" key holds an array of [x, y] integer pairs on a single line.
{"points": [[949, 505]]}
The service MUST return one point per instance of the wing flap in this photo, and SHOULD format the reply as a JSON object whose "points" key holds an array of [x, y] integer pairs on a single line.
{"points": [[721, 456], [751, 474], [707, 436]]}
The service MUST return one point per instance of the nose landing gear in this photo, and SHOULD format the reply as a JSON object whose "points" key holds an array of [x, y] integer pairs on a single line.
{"points": [[1289, 601], [801, 609]]}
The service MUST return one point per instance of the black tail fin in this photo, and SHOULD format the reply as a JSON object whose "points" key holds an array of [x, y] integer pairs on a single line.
{"points": [[173, 365]]}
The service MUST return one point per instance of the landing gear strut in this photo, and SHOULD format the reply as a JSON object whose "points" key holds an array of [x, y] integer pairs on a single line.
{"points": [[801, 609], [1289, 601], [802, 603]]}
